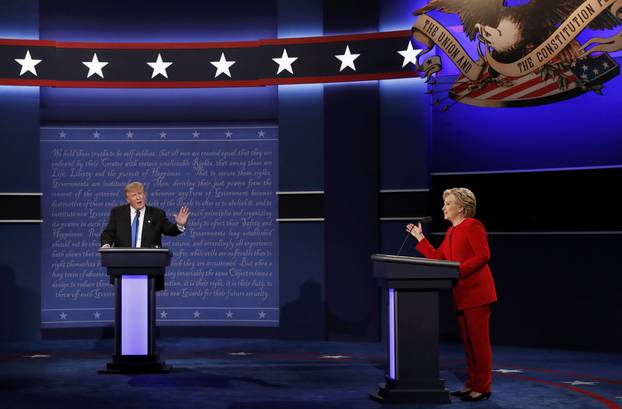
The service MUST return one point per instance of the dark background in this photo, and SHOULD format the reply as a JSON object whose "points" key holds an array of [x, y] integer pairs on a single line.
{"points": [[546, 178]]}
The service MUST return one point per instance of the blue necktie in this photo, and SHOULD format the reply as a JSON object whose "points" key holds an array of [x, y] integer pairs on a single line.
{"points": [[135, 224]]}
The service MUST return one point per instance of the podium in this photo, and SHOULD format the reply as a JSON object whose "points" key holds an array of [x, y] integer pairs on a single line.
{"points": [[413, 286], [136, 273]]}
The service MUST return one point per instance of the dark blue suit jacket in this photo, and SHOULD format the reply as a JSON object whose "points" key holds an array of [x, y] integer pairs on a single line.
{"points": [[118, 231]]}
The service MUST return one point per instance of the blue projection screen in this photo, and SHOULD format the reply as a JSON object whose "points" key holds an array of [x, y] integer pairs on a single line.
{"points": [[225, 265]]}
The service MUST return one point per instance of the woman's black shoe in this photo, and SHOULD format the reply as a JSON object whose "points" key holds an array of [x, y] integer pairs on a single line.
{"points": [[460, 394], [469, 398]]}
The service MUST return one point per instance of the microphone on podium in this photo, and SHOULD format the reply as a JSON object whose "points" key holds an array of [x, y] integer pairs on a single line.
{"points": [[420, 220], [404, 242]]}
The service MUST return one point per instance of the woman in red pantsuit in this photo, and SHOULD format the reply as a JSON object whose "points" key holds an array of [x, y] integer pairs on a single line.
{"points": [[466, 242]]}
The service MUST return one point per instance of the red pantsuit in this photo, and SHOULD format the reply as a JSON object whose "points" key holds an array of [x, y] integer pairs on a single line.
{"points": [[467, 243]]}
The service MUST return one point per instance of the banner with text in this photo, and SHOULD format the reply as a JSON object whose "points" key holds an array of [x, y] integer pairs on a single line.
{"points": [[224, 270]]}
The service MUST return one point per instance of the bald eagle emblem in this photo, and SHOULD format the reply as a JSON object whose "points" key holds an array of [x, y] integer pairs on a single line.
{"points": [[527, 54]]}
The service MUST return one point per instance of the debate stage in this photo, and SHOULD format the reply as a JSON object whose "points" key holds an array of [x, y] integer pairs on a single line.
{"points": [[269, 374]]}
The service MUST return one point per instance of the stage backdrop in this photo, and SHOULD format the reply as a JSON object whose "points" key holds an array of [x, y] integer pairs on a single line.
{"points": [[225, 265]]}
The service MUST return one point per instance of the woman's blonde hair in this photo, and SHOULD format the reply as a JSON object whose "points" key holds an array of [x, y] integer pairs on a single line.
{"points": [[464, 198]]}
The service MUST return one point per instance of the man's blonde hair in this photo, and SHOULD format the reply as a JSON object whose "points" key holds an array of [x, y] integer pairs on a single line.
{"points": [[133, 186], [464, 198]]}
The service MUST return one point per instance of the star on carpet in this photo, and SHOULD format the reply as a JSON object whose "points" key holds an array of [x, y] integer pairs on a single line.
{"points": [[502, 370], [578, 383]]}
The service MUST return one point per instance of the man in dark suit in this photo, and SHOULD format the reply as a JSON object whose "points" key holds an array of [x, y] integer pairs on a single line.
{"points": [[138, 225]]}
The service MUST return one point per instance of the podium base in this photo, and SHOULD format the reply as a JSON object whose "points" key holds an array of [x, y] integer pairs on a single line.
{"points": [[388, 394], [135, 364]]}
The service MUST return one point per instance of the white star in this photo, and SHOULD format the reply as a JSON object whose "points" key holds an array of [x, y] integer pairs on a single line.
{"points": [[96, 135], [261, 133], [285, 62], [63, 316], [573, 64], [605, 65], [95, 66], [347, 59], [585, 67], [163, 314], [335, 357], [195, 135], [162, 135], [222, 66], [97, 315], [130, 135], [595, 71], [409, 54], [62, 134], [196, 314], [28, 64], [575, 383], [229, 314], [159, 67], [262, 314], [501, 370], [584, 76], [228, 134]]}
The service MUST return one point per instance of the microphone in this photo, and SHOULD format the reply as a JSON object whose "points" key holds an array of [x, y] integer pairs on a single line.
{"points": [[404, 242]]}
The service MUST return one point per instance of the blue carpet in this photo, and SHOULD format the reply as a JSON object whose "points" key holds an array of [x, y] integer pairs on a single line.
{"points": [[268, 374]]}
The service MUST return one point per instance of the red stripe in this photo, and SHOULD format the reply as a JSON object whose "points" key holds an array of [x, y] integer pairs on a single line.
{"points": [[341, 78], [545, 90], [159, 46], [28, 43], [338, 38], [210, 84], [199, 45], [518, 88], [564, 373], [610, 404], [34, 83], [456, 89], [489, 87], [159, 84]]}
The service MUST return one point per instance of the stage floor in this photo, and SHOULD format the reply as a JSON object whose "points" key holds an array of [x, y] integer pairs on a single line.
{"points": [[269, 374]]}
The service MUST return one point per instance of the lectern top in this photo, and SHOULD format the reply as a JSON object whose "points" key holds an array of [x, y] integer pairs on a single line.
{"points": [[133, 250], [413, 260]]}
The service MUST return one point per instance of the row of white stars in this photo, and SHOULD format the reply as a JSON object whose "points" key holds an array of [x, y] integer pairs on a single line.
{"points": [[159, 66], [164, 314], [163, 135], [228, 314], [63, 315]]}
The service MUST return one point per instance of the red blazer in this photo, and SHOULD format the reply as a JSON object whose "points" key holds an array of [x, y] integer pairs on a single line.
{"points": [[466, 243]]}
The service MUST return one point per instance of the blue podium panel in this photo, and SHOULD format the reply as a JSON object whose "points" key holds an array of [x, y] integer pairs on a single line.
{"points": [[134, 315], [392, 317]]}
